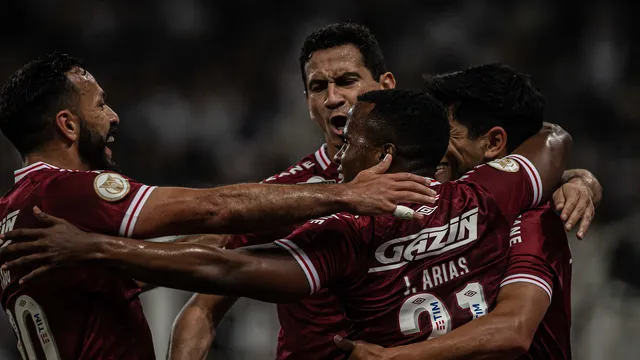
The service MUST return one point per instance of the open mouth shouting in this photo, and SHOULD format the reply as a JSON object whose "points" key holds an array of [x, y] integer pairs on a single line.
{"points": [[337, 123]]}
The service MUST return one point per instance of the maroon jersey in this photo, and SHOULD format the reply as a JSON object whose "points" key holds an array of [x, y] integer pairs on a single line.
{"points": [[82, 313], [307, 327], [540, 255], [406, 281]]}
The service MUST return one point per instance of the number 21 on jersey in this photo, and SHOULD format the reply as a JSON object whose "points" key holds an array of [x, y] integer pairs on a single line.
{"points": [[27, 309], [470, 298]]}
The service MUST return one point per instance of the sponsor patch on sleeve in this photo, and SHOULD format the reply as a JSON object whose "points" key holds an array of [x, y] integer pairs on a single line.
{"points": [[111, 186], [505, 164]]}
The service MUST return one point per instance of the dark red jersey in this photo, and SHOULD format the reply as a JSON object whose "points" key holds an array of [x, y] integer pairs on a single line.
{"points": [[307, 327], [405, 281], [540, 255], [88, 312]]}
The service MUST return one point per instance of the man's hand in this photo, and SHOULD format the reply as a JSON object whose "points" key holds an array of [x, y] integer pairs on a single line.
{"points": [[58, 244], [361, 350], [575, 203], [375, 193]]}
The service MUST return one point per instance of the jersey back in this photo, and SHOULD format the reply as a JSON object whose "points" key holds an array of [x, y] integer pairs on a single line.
{"points": [[407, 281]]}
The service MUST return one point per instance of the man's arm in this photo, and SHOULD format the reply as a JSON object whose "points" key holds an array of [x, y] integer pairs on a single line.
{"points": [[577, 199], [252, 207], [217, 240], [548, 152], [264, 272], [271, 272], [504, 333], [195, 327], [588, 180], [523, 179]]}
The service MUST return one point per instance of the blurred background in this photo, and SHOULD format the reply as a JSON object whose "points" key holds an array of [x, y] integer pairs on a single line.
{"points": [[210, 93]]}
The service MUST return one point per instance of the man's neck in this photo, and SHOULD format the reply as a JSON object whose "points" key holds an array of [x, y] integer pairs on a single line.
{"points": [[62, 160], [331, 151]]}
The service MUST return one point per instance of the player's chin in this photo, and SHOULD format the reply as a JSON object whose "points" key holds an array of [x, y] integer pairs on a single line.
{"points": [[443, 174]]}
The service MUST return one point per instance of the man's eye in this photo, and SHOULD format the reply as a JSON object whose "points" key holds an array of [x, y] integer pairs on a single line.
{"points": [[317, 87]]}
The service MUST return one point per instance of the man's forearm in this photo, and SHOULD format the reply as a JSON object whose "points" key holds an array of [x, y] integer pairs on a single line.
{"points": [[488, 337], [195, 327], [237, 208], [260, 206], [256, 272], [504, 333], [586, 178], [192, 334], [191, 267]]}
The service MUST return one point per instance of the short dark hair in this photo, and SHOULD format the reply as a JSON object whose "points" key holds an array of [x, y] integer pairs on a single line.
{"points": [[32, 96], [415, 122], [491, 95], [339, 34]]}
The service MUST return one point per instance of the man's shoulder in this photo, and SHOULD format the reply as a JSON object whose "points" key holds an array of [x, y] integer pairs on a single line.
{"points": [[347, 225], [543, 215], [314, 168]]}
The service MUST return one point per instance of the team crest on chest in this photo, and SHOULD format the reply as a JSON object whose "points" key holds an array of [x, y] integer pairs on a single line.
{"points": [[111, 186], [505, 164]]}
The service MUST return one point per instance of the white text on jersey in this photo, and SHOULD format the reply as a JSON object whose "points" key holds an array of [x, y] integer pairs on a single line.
{"points": [[396, 253], [7, 225], [295, 169]]}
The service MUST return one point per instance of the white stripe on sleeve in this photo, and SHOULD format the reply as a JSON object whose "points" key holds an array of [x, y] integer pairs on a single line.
{"points": [[304, 262], [531, 279], [534, 177]]}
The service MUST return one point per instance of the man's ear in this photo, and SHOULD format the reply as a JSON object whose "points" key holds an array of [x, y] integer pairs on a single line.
{"points": [[388, 148], [67, 124], [496, 143], [387, 81]]}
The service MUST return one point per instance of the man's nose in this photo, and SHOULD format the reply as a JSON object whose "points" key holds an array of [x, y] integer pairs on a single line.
{"points": [[334, 99]]}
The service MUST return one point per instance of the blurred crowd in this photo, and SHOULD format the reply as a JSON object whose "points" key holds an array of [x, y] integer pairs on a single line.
{"points": [[210, 93]]}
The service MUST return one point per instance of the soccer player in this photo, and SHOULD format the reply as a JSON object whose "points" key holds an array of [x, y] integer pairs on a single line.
{"points": [[338, 62], [54, 113], [532, 317], [443, 269], [326, 62]]}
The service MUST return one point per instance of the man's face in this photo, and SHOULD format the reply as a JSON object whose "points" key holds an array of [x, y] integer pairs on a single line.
{"points": [[462, 155], [357, 153], [335, 79], [98, 122]]}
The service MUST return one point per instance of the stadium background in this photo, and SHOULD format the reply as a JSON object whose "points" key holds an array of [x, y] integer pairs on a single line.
{"points": [[210, 93]]}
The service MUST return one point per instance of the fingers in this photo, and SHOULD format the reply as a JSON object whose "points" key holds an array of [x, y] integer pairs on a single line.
{"points": [[46, 218], [23, 234], [586, 221], [383, 166], [14, 250], [403, 212], [35, 274], [411, 197], [404, 176], [577, 213], [569, 205], [421, 194], [413, 187], [25, 261], [558, 199], [343, 344]]}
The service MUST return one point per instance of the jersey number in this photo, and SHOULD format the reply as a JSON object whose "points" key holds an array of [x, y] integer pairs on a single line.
{"points": [[470, 298], [27, 307]]}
